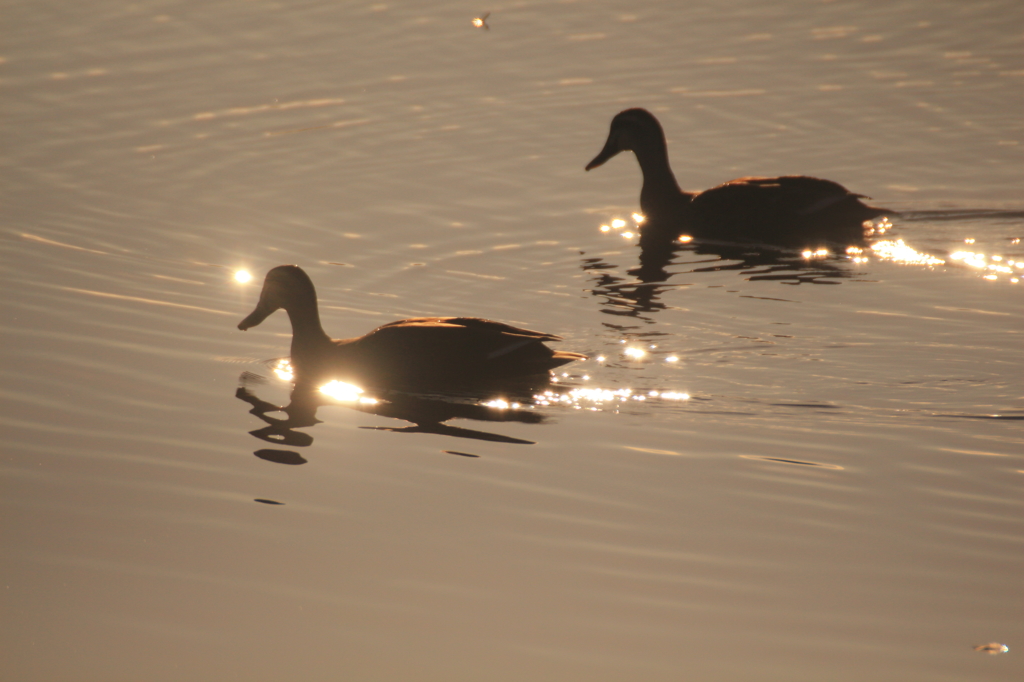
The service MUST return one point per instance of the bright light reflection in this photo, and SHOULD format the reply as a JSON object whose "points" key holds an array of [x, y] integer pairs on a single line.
{"points": [[501, 404], [594, 398], [605, 228], [639, 218], [635, 353], [341, 391], [627, 235], [981, 262], [672, 358], [855, 254], [898, 251], [243, 276], [283, 369], [685, 239], [879, 228], [818, 253], [618, 222]]}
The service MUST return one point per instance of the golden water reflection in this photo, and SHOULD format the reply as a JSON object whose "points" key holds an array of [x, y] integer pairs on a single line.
{"points": [[634, 353], [599, 399], [481, 21], [990, 266], [345, 392], [283, 370]]}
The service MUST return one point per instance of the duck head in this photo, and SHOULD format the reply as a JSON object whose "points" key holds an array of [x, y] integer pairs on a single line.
{"points": [[286, 286], [634, 130]]}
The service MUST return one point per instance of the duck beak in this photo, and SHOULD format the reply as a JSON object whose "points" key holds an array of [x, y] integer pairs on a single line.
{"points": [[263, 310], [611, 148]]}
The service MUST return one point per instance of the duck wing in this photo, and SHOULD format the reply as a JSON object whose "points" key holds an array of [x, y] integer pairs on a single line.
{"points": [[452, 350], [478, 325], [789, 209]]}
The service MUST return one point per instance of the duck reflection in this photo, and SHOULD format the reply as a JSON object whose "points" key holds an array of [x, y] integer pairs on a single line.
{"points": [[425, 413], [640, 294]]}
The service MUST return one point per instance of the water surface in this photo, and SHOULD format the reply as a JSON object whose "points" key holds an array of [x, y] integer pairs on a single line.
{"points": [[814, 470]]}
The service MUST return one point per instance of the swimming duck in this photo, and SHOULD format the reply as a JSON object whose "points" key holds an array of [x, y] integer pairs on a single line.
{"points": [[417, 352], [792, 210]]}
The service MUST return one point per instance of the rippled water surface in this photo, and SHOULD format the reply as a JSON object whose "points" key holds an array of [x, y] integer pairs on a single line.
{"points": [[786, 467]]}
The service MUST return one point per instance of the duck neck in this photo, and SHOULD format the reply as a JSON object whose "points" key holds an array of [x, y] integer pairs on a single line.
{"points": [[308, 336], [660, 196]]}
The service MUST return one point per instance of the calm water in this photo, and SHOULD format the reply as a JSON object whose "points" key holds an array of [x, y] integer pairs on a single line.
{"points": [[838, 497]]}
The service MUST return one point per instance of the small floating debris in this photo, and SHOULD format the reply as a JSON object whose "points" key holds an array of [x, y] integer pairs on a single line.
{"points": [[263, 501], [992, 648], [460, 454]]}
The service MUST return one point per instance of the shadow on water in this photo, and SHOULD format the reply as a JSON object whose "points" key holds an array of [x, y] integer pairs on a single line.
{"points": [[425, 413]]}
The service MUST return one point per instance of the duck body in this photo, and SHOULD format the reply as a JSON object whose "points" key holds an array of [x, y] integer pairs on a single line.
{"points": [[420, 352], [791, 210]]}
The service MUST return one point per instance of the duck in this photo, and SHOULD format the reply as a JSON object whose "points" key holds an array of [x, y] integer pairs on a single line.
{"points": [[791, 210], [419, 352]]}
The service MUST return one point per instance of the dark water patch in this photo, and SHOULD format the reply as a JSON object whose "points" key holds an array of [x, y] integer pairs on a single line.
{"points": [[281, 457], [456, 431], [768, 298], [460, 454], [799, 462], [283, 436]]}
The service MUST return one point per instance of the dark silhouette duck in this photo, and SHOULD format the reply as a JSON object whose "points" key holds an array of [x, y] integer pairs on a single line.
{"points": [[792, 210], [420, 352]]}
